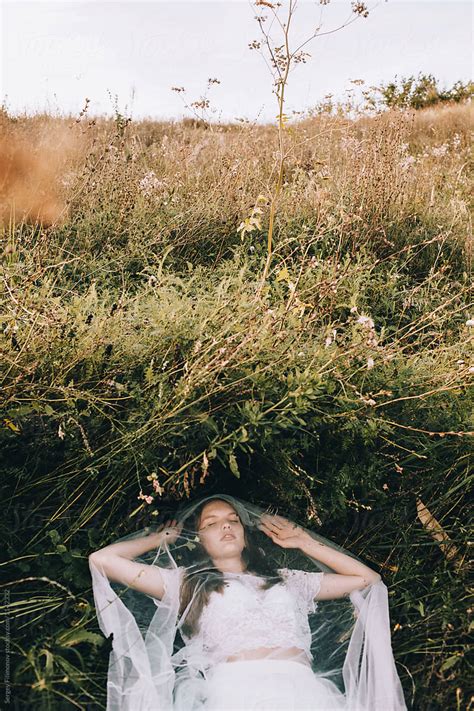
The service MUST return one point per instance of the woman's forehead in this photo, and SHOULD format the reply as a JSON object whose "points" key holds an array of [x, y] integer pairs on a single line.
{"points": [[216, 507]]}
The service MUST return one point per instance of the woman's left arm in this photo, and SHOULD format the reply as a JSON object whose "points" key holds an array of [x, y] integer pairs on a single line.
{"points": [[350, 574]]}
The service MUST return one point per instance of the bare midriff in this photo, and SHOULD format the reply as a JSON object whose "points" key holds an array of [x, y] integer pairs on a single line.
{"points": [[293, 653]]}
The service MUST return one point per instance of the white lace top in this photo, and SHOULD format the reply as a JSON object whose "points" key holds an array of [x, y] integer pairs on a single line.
{"points": [[244, 617]]}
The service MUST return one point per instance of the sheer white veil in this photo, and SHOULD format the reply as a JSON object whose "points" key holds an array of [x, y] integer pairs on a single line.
{"points": [[158, 664]]}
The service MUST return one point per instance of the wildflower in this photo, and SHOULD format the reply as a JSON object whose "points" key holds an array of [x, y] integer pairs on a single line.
{"points": [[157, 488], [406, 162], [360, 8], [370, 363], [365, 321], [470, 322], [144, 497], [150, 183], [456, 141], [330, 339], [440, 151]]}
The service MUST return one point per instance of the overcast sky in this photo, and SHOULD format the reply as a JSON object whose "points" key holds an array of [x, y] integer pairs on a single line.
{"points": [[54, 54]]}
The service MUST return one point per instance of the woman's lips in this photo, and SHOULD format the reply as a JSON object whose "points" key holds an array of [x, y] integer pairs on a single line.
{"points": [[228, 536]]}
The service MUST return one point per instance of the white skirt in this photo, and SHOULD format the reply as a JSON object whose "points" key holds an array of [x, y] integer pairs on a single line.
{"points": [[270, 685]]}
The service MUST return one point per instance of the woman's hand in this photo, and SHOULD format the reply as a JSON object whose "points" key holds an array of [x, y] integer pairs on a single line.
{"points": [[167, 532], [282, 532]]}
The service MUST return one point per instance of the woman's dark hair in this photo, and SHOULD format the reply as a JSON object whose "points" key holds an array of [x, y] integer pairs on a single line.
{"points": [[206, 578]]}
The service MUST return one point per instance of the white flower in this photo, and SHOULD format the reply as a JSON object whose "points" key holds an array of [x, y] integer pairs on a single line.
{"points": [[440, 151], [470, 322], [150, 183], [365, 321], [370, 363], [406, 162], [330, 339]]}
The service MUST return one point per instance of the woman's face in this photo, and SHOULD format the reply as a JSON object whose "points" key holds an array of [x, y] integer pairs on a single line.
{"points": [[220, 530]]}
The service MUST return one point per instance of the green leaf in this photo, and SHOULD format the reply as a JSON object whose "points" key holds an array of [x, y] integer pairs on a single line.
{"points": [[49, 660], [20, 411], [244, 435], [54, 535], [283, 275], [234, 467], [450, 662], [69, 638]]}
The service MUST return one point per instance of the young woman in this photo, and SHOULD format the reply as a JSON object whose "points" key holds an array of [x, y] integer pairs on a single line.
{"points": [[236, 623]]}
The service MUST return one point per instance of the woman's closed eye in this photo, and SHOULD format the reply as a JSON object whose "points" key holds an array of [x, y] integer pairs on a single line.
{"points": [[233, 520]]}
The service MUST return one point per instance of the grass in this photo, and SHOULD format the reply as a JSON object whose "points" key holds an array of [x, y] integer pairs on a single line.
{"points": [[135, 341]]}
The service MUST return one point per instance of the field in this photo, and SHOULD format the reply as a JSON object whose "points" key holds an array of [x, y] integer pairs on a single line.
{"points": [[138, 338]]}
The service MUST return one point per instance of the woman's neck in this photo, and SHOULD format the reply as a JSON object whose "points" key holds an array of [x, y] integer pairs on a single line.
{"points": [[230, 565]]}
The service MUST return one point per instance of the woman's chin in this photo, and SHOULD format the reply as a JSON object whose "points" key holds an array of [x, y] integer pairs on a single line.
{"points": [[231, 545]]}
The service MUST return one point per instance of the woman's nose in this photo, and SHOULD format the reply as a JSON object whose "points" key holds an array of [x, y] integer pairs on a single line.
{"points": [[226, 524]]}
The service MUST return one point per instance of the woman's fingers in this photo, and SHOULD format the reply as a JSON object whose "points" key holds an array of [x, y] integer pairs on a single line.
{"points": [[272, 531], [270, 528], [280, 525], [282, 521], [271, 521]]}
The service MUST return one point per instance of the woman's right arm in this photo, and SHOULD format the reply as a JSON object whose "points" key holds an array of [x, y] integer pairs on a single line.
{"points": [[117, 564]]}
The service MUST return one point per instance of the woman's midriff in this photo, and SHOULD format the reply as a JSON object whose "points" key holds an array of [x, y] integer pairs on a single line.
{"points": [[293, 653]]}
